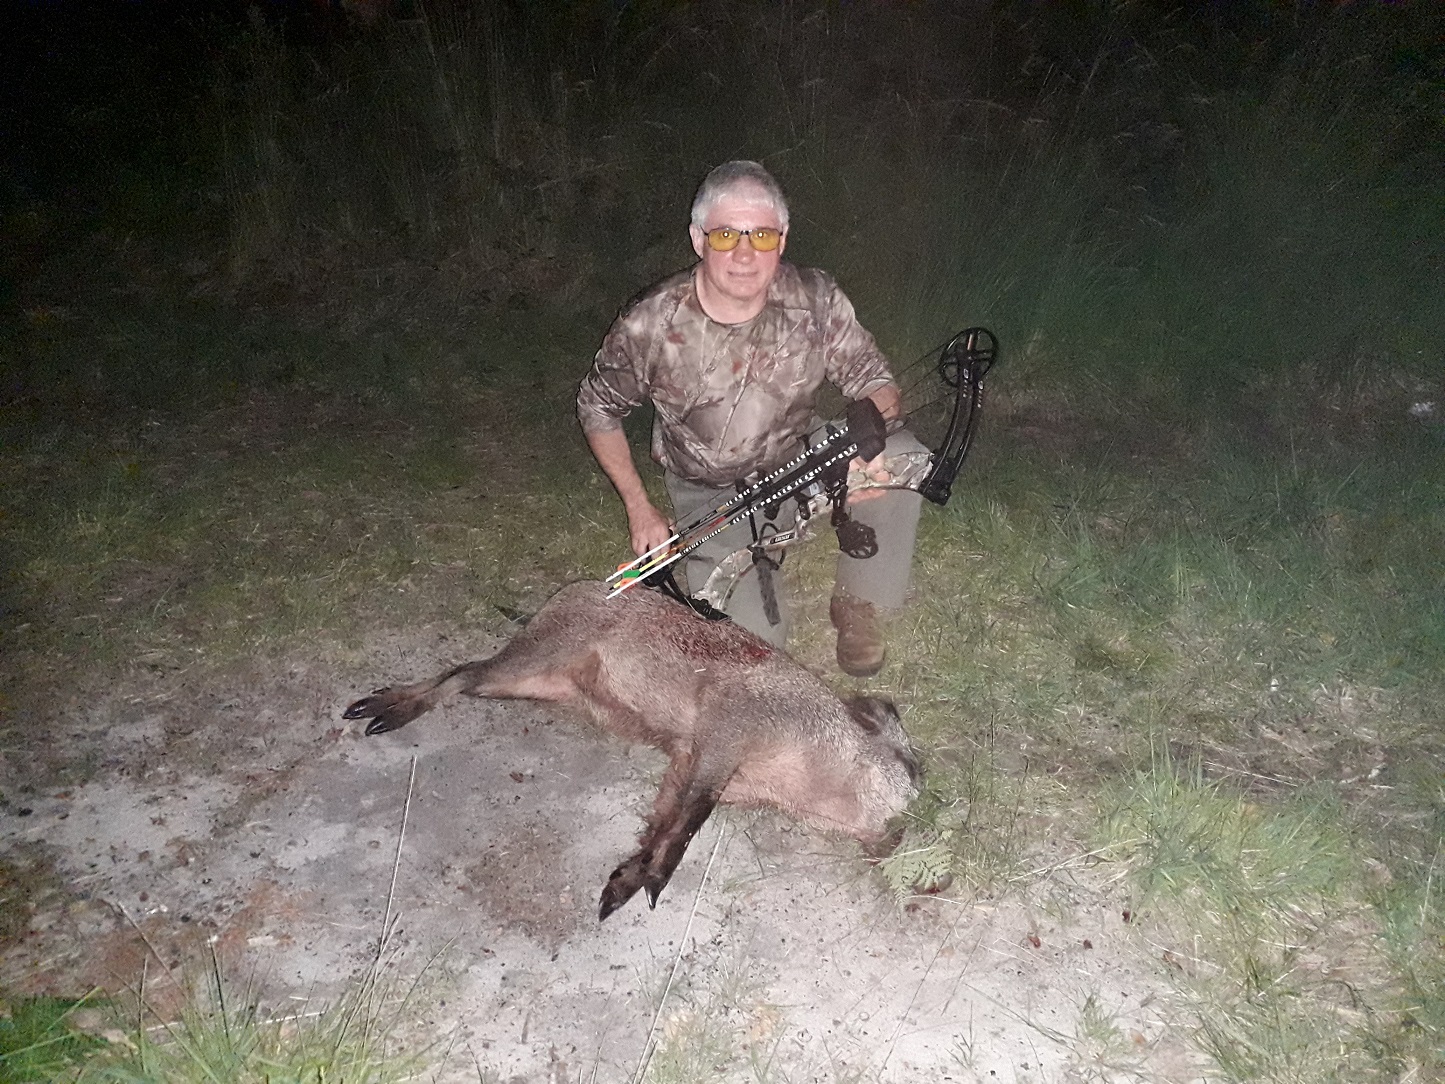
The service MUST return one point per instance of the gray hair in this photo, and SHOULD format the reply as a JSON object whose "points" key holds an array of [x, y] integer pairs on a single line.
{"points": [[732, 175]]}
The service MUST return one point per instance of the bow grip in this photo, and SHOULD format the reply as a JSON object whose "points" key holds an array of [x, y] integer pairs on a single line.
{"points": [[867, 428]]}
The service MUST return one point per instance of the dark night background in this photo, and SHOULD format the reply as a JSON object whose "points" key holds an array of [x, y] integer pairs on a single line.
{"points": [[270, 158]]}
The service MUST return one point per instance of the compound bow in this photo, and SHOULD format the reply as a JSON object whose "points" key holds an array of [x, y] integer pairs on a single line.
{"points": [[819, 476]]}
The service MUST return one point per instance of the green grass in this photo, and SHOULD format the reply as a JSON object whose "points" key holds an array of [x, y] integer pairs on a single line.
{"points": [[287, 511], [1272, 625], [220, 1032], [150, 555], [38, 1043], [1263, 912]]}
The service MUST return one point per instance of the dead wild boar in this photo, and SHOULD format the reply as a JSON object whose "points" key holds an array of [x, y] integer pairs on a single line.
{"points": [[739, 721]]}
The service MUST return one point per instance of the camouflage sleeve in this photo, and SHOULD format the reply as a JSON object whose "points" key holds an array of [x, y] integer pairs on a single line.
{"points": [[615, 385], [855, 365]]}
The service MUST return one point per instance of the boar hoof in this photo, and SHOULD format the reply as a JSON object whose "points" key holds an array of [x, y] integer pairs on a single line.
{"points": [[626, 879], [387, 710], [364, 708]]}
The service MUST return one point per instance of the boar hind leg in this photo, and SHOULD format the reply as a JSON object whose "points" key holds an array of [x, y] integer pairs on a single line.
{"points": [[515, 672], [688, 796], [392, 708]]}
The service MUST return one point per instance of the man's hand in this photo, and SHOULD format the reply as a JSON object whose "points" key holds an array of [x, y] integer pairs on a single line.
{"points": [[874, 471], [890, 404], [647, 527]]}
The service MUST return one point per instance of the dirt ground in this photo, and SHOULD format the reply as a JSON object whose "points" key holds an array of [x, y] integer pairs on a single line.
{"points": [[158, 815]]}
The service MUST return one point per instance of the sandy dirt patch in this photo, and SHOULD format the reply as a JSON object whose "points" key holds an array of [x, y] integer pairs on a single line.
{"points": [[250, 816]]}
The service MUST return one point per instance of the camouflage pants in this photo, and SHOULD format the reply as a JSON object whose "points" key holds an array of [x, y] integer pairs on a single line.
{"points": [[881, 579]]}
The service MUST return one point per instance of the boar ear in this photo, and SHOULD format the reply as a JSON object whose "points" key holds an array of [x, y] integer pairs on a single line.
{"points": [[872, 712]]}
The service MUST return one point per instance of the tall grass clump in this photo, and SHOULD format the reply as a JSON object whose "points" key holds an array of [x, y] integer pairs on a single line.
{"points": [[1082, 603], [1159, 237], [1157, 216], [441, 139], [1250, 577], [1284, 284], [221, 1033]]}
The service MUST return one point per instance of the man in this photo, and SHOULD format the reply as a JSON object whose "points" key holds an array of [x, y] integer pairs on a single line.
{"points": [[732, 353]]}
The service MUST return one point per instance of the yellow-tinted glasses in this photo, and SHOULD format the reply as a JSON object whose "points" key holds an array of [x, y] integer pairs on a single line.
{"points": [[725, 238]]}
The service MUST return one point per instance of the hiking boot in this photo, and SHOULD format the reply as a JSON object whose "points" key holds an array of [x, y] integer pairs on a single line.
{"points": [[861, 649]]}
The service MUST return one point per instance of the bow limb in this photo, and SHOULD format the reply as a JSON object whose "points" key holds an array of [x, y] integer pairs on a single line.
{"points": [[961, 366]]}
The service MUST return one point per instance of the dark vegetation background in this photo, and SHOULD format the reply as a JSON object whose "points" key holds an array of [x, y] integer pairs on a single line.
{"points": [[1189, 208]]}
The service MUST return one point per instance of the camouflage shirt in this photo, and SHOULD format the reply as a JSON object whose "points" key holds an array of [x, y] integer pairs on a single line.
{"points": [[730, 399]]}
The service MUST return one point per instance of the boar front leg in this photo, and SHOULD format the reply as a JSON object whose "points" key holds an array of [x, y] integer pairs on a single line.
{"points": [[392, 708], [689, 793]]}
